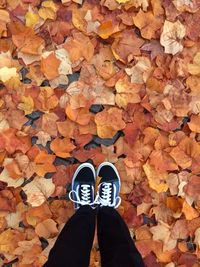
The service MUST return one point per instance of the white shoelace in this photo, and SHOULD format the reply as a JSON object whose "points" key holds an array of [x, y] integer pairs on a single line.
{"points": [[106, 198], [85, 195]]}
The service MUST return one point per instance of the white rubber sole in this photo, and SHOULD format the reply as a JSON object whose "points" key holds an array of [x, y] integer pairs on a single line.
{"points": [[113, 167], [83, 165]]}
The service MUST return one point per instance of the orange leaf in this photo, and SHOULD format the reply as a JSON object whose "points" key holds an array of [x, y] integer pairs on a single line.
{"points": [[194, 123], [13, 169], [62, 147], [49, 66], [80, 115], [109, 122], [44, 163]]}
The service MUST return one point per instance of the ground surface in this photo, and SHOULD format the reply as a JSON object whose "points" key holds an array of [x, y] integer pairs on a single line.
{"points": [[115, 80]]}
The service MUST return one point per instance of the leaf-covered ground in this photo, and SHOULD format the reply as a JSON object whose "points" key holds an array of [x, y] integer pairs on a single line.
{"points": [[115, 80]]}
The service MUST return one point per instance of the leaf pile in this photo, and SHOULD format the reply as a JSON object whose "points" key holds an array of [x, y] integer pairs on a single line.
{"points": [[114, 80]]}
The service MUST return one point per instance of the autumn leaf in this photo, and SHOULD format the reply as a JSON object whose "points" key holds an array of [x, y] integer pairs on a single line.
{"points": [[171, 36], [126, 92], [194, 123], [48, 10], [46, 228], [28, 42], [62, 147], [31, 19], [157, 180], [38, 191], [125, 45], [109, 122], [7, 73], [147, 23], [141, 71], [9, 240], [44, 163], [194, 68], [27, 104], [50, 65]]}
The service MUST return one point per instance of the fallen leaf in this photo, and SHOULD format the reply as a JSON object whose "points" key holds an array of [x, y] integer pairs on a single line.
{"points": [[147, 23], [194, 68], [109, 122], [141, 71], [9, 240], [125, 45], [38, 191], [171, 36], [157, 180], [27, 104], [48, 10], [32, 19], [62, 147], [46, 228], [7, 73], [49, 65]]}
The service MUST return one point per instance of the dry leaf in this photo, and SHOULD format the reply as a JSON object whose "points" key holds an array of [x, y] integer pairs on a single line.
{"points": [[109, 122], [38, 191], [172, 34]]}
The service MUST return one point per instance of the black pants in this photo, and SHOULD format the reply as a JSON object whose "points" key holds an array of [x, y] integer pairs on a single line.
{"points": [[73, 246]]}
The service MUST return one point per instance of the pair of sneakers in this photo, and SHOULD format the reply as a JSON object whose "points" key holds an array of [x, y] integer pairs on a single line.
{"points": [[83, 186]]}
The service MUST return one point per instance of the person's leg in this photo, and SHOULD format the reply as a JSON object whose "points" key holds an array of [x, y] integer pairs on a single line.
{"points": [[73, 246], [116, 245]]}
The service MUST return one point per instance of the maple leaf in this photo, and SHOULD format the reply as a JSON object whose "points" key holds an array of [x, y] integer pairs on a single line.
{"points": [[141, 71], [49, 65], [156, 179], [126, 45], [32, 19], [194, 68], [9, 240], [79, 46], [109, 122], [7, 201], [46, 228], [48, 10], [28, 42], [62, 147], [7, 73], [38, 191], [171, 36], [186, 5], [27, 104], [126, 92], [44, 163], [147, 23]]}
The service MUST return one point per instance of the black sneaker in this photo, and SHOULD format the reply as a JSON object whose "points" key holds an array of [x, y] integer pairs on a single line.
{"points": [[83, 186], [109, 186]]}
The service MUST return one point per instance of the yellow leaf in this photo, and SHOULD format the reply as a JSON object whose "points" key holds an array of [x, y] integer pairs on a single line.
{"points": [[9, 240], [7, 73], [27, 104], [122, 1], [172, 34], [31, 19], [48, 10], [156, 179]]}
